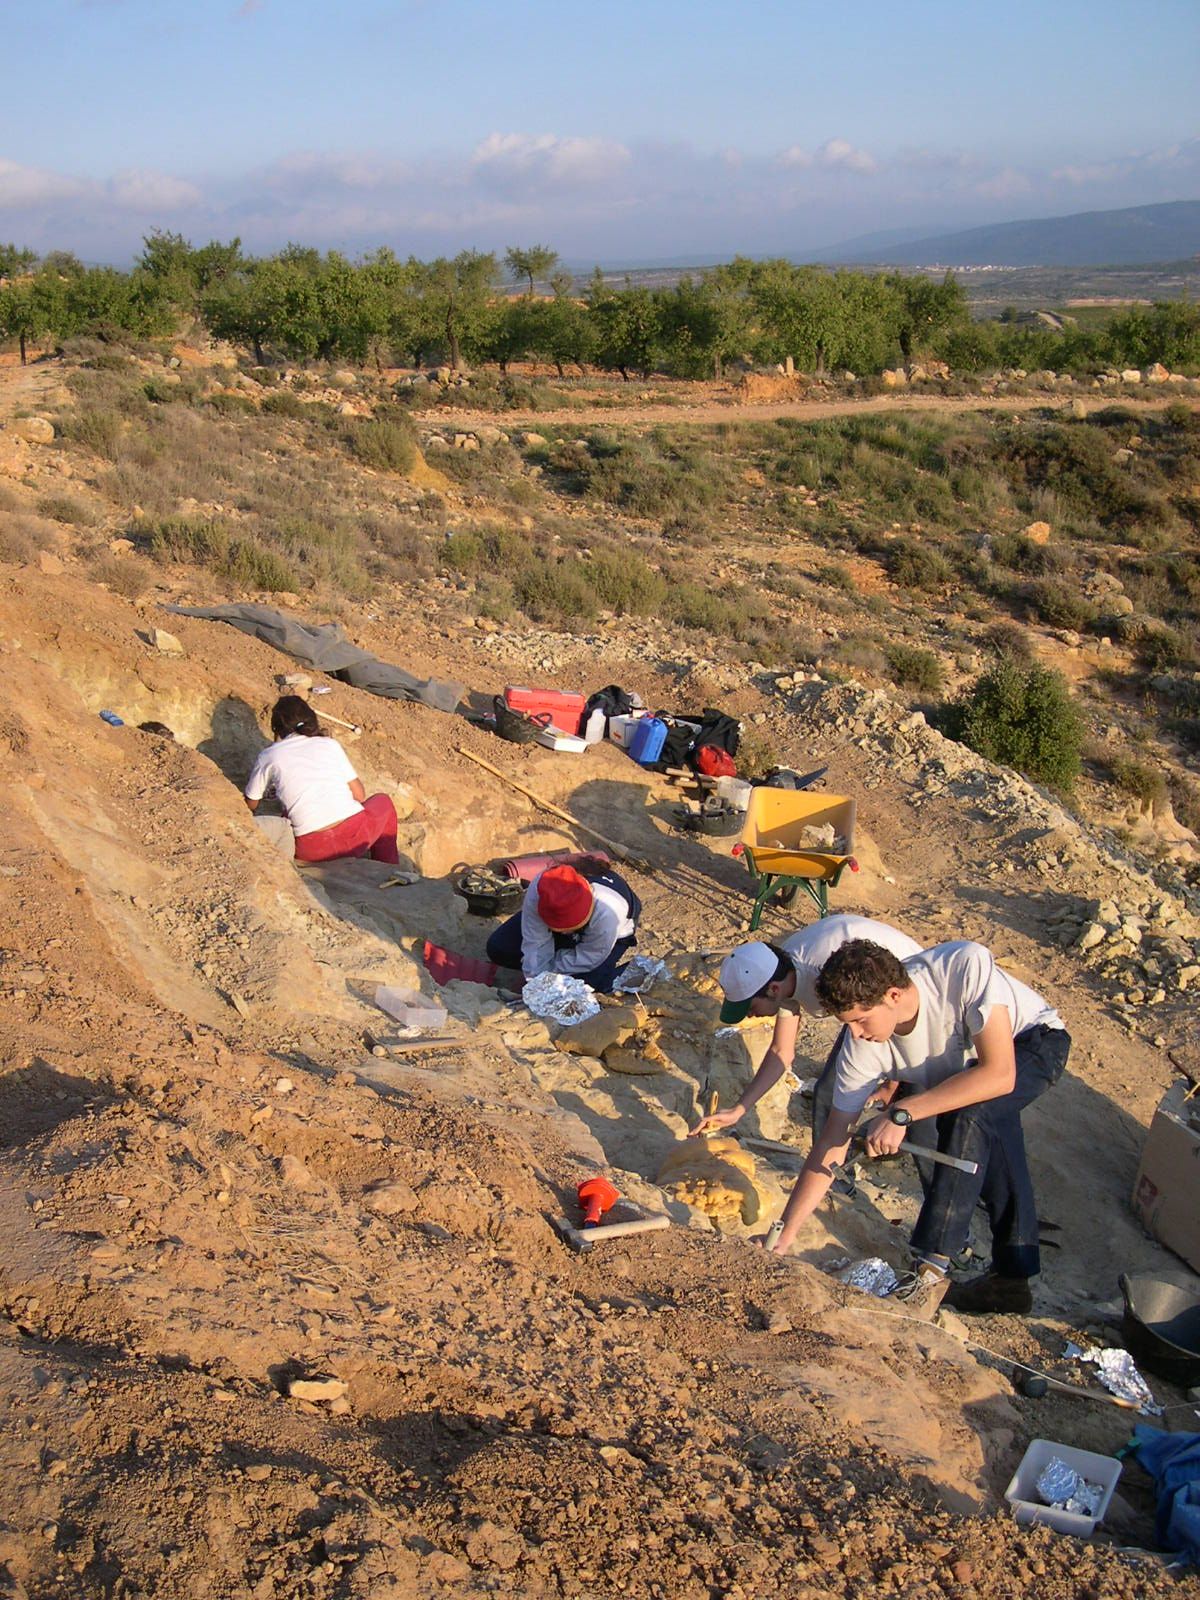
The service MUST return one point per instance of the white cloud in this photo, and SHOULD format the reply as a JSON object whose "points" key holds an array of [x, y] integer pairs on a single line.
{"points": [[549, 157], [1183, 158], [152, 192], [1007, 184], [34, 186], [307, 169], [841, 153], [834, 154]]}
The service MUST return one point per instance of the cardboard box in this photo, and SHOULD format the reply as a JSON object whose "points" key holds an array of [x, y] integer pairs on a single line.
{"points": [[1166, 1193]]}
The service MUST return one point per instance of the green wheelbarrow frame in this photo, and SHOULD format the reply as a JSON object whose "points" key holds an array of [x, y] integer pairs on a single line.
{"points": [[776, 844], [772, 883]]}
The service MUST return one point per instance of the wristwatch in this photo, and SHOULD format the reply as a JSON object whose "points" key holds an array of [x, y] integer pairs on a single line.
{"points": [[899, 1116]]}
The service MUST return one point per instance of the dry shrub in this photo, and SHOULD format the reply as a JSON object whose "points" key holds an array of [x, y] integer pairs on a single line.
{"points": [[62, 508], [19, 539], [124, 575]]}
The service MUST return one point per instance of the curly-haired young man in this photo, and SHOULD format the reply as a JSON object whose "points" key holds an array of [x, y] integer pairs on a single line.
{"points": [[955, 1049]]}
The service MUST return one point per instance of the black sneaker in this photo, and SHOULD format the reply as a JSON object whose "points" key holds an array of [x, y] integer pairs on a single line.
{"points": [[991, 1292]]}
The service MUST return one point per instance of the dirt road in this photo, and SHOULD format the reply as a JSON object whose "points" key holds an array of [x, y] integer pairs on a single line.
{"points": [[711, 412]]}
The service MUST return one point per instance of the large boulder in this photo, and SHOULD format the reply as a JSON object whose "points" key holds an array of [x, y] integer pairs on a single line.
{"points": [[35, 430], [1155, 374]]}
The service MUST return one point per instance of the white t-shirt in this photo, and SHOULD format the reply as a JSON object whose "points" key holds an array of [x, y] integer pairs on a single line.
{"points": [[610, 920], [310, 776], [812, 947], [959, 985]]}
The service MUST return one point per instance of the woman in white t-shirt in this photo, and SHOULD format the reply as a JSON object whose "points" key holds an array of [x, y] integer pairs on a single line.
{"points": [[320, 791]]}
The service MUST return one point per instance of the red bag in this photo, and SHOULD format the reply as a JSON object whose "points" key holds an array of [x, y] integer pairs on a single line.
{"points": [[714, 762]]}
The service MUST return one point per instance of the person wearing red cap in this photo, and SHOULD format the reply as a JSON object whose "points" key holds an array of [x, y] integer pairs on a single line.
{"points": [[570, 923]]}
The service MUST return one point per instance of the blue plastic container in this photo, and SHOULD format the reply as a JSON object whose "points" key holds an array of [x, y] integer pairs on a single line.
{"points": [[648, 739]]}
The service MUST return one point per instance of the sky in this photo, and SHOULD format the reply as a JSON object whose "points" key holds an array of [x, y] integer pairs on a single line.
{"points": [[625, 132]]}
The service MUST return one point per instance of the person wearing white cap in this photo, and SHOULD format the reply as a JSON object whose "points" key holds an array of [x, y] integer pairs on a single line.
{"points": [[780, 981]]}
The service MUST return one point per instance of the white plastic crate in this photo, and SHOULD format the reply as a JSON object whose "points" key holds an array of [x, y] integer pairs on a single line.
{"points": [[1022, 1493]]}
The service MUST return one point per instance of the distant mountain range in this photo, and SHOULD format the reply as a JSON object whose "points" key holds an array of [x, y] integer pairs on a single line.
{"points": [[1131, 237]]}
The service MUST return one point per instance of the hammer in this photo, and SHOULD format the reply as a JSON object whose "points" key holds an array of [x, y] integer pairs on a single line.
{"points": [[328, 716], [581, 1240], [597, 1195]]}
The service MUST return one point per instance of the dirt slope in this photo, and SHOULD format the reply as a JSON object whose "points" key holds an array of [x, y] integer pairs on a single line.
{"points": [[208, 1189]]}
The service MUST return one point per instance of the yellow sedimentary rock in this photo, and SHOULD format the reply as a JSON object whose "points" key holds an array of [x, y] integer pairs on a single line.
{"points": [[714, 1175]]}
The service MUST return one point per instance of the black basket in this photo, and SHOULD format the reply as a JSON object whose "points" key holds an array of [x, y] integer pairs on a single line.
{"points": [[487, 894], [515, 726]]}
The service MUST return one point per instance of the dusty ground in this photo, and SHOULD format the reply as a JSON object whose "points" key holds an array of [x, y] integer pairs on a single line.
{"points": [[209, 1187]]}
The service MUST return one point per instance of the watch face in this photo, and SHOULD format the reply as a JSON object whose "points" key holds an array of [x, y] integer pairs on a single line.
{"points": [[901, 1117]]}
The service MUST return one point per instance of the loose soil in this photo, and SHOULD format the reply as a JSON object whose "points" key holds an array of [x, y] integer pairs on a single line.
{"points": [[210, 1187]]}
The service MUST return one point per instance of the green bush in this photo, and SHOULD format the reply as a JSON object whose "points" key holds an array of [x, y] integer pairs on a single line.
{"points": [[1023, 717], [914, 668], [226, 404], [161, 392], [1163, 648], [1059, 605], [387, 446], [625, 583], [487, 549], [1019, 552], [283, 403], [1008, 639], [555, 592], [916, 566], [836, 576], [240, 558], [1146, 784], [1179, 414]]}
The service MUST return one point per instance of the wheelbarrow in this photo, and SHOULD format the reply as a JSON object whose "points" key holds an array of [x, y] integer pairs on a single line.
{"points": [[779, 846]]}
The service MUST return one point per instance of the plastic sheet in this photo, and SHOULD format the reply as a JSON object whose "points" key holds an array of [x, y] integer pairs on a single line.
{"points": [[557, 998], [1060, 1485], [873, 1275], [640, 975]]}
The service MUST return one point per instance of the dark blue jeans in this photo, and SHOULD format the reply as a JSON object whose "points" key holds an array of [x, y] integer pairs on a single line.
{"points": [[504, 948], [990, 1133]]}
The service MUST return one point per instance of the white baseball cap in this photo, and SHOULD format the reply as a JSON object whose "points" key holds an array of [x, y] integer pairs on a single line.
{"points": [[744, 972]]}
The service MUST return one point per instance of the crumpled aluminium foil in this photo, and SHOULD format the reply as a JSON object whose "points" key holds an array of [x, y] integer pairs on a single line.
{"points": [[1120, 1376], [1061, 1486], [874, 1275], [555, 997], [640, 975]]}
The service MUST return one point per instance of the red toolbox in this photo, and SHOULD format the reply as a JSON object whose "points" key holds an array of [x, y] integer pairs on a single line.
{"points": [[564, 706]]}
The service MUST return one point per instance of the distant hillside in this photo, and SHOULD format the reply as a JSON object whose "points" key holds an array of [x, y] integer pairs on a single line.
{"points": [[1132, 236]]}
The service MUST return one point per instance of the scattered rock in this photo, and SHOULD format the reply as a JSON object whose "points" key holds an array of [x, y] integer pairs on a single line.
{"points": [[317, 1389], [390, 1197]]}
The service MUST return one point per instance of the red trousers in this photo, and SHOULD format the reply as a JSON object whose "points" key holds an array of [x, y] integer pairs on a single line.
{"points": [[371, 831]]}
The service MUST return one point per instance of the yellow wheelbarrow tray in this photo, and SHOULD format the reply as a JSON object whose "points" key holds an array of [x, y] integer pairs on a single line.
{"points": [[777, 853]]}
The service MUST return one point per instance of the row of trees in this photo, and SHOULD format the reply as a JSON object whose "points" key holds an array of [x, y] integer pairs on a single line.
{"points": [[302, 305]]}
